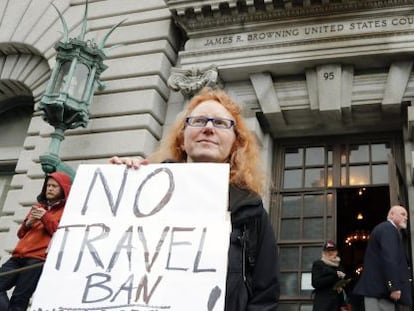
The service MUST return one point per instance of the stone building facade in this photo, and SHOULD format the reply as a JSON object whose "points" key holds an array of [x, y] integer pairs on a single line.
{"points": [[326, 85]]}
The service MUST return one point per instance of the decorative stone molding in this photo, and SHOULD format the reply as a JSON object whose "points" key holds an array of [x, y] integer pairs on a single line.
{"points": [[21, 76], [396, 85], [195, 16], [190, 81]]}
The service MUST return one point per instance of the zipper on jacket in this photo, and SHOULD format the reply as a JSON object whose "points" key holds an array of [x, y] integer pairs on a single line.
{"points": [[244, 246]]}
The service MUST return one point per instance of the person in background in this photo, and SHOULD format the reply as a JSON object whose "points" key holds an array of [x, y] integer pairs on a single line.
{"points": [[386, 281], [34, 235], [326, 276], [211, 129]]}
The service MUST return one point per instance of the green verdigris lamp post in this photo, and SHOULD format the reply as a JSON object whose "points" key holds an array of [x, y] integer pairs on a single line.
{"points": [[70, 89]]}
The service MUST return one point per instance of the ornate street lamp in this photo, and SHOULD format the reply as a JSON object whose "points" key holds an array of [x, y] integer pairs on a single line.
{"points": [[70, 89]]}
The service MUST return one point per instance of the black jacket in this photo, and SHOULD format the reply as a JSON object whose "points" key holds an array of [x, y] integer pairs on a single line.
{"points": [[385, 266], [324, 277], [251, 287]]}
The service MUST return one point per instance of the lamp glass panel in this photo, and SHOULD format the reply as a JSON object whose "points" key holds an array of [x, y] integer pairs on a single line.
{"points": [[61, 77], [78, 81]]}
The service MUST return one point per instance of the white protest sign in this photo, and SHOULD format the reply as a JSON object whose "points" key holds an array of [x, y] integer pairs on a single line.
{"points": [[150, 239]]}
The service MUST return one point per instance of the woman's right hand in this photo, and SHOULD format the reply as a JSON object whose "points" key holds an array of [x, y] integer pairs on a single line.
{"points": [[134, 163], [340, 274]]}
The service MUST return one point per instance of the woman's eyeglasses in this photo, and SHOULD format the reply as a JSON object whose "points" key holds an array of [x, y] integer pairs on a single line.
{"points": [[220, 123]]}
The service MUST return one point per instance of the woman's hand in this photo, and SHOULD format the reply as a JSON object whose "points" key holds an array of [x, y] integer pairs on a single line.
{"points": [[134, 163], [395, 295], [340, 274]]}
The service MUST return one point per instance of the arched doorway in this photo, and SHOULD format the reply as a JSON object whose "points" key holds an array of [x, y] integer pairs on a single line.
{"points": [[16, 110]]}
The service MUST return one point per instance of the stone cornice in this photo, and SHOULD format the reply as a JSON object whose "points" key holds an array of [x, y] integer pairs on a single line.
{"points": [[196, 16]]}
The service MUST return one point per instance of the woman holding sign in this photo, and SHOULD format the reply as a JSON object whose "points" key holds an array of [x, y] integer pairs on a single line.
{"points": [[211, 129]]}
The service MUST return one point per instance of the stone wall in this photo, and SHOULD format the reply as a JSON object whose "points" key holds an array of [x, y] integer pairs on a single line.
{"points": [[127, 117]]}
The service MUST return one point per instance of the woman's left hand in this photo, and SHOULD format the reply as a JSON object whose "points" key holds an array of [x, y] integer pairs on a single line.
{"points": [[134, 163]]}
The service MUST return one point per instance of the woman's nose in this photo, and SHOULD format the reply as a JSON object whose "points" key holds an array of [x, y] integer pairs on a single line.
{"points": [[209, 124]]}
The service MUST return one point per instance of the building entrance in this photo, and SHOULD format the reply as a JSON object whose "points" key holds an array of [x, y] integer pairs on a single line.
{"points": [[336, 188], [359, 210]]}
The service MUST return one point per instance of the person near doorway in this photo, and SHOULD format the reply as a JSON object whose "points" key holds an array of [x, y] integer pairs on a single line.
{"points": [[385, 279], [328, 279], [23, 269]]}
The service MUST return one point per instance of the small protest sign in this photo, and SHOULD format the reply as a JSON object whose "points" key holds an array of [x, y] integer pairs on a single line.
{"points": [[150, 239]]}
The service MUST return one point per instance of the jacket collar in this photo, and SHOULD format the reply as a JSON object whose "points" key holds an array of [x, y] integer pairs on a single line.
{"points": [[243, 204]]}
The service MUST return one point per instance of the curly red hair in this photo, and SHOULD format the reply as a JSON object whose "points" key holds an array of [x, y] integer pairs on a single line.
{"points": [[244, 155]]}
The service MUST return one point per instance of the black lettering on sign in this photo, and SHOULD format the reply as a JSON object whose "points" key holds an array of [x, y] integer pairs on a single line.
{"points": [[196, 269], [99, 287], [143, 240], [114, 206], [62, 246], [87, 242], [164, 200], [172, 243], [124, 243]]}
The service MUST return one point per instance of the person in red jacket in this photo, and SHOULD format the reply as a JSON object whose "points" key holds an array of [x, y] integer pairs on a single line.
{"points": [[34, 235]]}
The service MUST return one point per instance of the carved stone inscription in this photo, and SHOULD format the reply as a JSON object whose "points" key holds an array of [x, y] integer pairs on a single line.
{"points": [[306, 32]]}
